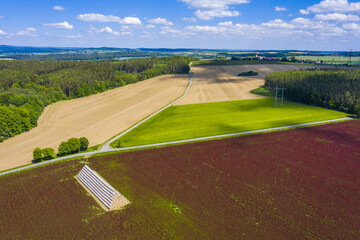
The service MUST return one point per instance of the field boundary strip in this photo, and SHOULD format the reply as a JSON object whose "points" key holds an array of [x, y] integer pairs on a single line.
{"points": [[174, 142]]}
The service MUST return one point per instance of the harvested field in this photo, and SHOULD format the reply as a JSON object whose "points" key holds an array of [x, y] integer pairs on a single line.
{"points": [[222, 83], [97, 117], [296, 184]]}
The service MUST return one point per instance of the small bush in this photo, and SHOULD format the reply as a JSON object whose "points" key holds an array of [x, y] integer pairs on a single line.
{"points": [[84, 143], [63, 149], [249, 73], [74, 145], [48, 153], [37, 154]]}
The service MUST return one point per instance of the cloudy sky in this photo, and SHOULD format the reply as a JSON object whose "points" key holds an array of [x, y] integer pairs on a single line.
{"points": [[225, 24]]}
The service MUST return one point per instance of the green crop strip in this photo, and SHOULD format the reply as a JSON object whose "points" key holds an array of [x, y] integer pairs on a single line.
{"points": [[209, 119]]}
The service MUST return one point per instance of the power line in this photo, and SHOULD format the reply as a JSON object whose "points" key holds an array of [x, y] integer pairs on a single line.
{"points": [[282, 95]]}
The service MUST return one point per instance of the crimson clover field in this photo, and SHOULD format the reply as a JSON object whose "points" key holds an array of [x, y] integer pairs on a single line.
{"points": [[295, 184]]}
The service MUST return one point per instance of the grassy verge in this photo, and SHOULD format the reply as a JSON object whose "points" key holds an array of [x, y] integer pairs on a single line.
{"points": [[262, 92], [200, 120]]}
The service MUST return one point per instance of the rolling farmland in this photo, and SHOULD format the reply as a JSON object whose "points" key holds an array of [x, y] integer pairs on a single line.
{"points": [[221, 83], [266, 186], [97, 117]]}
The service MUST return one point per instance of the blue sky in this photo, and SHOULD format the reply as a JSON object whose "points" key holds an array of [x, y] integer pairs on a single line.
{"points": [[225, 24]]}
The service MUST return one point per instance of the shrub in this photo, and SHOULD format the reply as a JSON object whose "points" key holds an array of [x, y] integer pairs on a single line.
{"points": [[74, 145], [63, 149], [37, 154], [84, 143], [48, 153], [249, 73]]}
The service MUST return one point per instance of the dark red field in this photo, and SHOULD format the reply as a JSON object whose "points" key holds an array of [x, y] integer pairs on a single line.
{"points": [[296, 184]]}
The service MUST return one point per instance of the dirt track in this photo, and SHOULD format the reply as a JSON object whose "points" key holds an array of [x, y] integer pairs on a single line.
{"points": [[221, 83], [97, 117]]}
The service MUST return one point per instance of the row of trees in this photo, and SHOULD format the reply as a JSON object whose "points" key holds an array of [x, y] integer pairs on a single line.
{"points": [[27, 87], [330, 88], [43, 154], [72, 145]]}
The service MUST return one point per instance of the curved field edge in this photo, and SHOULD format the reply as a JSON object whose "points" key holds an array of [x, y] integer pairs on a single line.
{"points": [[96, 117], [210, 119], [224, 189]]}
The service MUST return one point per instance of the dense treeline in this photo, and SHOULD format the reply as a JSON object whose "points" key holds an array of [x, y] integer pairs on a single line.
{"points": [[330, 88], [27, 87]]}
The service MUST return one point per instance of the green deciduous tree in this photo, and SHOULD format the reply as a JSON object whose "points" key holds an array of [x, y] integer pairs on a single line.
{"points": [[74, 145], [37, 154], [84, 143], [63, 149], [48, 153]]}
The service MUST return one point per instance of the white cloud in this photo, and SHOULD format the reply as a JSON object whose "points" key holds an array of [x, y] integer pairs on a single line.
{"points": [[127, 33], [279, 9], [335, 31], [2, 32], [108, 30], [1, 17], [213, 29], [213, 4], [95, 17], [64, 25], [337, 17], [130, 21], [304, 12], [209, 9], [278, 23], [163, 21], [351, 26], [149, 26], [27, 32], [229, 23], [58, 8], [301, 21], [173, 32], [74, 36], [210, 14], [299, 28], [189, 19], [326, 6]]}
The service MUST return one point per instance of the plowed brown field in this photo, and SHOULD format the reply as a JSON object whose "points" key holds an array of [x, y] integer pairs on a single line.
{"points": [[97, 117], [222, 83]]}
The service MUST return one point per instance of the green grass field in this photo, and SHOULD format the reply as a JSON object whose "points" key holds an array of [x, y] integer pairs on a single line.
{"points": [[209, 119], [331, 59], [221, 62]]}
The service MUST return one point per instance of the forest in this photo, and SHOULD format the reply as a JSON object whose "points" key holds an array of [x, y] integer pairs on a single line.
{"points": [[27, 87], [337, 89]]}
